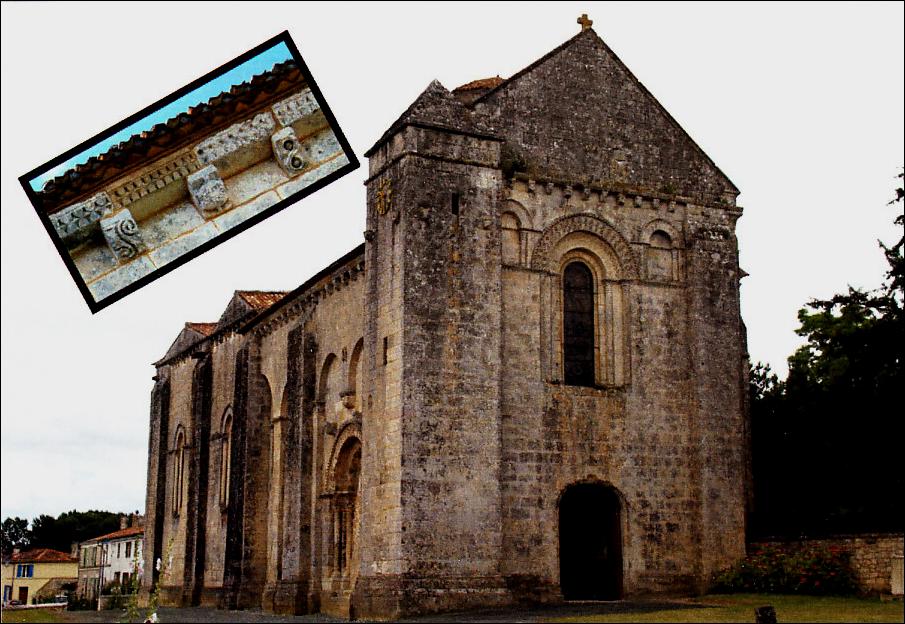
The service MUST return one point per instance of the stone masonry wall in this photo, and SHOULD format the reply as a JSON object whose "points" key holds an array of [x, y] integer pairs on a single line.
{"points": [[581, 116], [872, 555], [632, 435]]}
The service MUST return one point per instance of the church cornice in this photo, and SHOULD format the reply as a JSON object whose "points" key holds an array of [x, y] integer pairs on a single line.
{"points": [[624, 194]]}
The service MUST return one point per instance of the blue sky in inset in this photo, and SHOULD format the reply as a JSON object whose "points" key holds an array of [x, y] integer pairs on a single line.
{"points": [[244, 72]]}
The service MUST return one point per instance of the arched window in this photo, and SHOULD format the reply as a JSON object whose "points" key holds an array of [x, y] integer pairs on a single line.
{"points": [[660, 262], [510, 238], [578, 325], [178, 471], [226, 447]]}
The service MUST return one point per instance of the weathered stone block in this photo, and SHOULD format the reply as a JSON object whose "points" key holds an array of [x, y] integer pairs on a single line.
{"points": [[183, 244], [296, 108], [242, 213], [95, 259], [288, 151], [75, 223], [166, 225], [208, 191], [238, 146], [116, 280], [307, 179], [255, 180], [122, 235]]}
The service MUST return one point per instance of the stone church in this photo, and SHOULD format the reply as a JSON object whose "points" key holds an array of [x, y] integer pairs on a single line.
{"points": [[526, 385]]}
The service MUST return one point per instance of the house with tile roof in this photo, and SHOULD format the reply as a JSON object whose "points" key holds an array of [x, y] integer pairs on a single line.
{"points": [[40, 573], [111, 560], [526, 385], [160, 194]]}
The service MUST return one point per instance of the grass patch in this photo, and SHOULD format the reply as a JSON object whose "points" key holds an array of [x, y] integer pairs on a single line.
{"points": [[740, 608], [32, 615]]}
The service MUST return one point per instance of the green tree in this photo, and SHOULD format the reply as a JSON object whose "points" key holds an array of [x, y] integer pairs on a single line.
{"points": [[71, 526], [826, 441], [43, 533], [14, 534]]}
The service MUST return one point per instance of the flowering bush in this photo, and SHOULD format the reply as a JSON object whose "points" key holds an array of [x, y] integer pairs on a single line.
{"points": [[801, 569]]}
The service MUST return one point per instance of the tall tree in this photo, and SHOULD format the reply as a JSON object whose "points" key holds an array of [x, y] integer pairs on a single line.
{"points": [[13, 534], [826, 441]]}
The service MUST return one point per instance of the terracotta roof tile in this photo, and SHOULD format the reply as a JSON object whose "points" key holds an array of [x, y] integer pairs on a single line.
{"points": [[202, 120], [481, 83], [259, 299], [127, 532], [205, 329], [43, 555]]}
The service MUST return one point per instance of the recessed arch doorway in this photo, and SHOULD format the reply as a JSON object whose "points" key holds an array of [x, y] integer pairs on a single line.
{"points": [[590, 542]]}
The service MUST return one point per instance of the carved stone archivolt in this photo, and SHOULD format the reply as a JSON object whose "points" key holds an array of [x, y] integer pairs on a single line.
{"points": [[541, 258]]}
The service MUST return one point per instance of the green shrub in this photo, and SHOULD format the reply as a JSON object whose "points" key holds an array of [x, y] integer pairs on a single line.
{"points": [[803, 569], [82, 604]]}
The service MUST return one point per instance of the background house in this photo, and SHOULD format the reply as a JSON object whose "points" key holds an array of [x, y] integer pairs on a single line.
{"points": [[110, 559], [34, 574]]}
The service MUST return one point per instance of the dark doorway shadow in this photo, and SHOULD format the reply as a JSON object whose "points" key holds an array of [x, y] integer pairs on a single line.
{"points": [[590, 543]]}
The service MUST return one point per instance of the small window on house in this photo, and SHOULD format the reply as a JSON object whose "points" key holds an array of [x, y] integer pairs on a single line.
{"points": [[128, 550], [118, 550], [578, 325], [455, 204], [116, 577], [386, 348], [25, 570]]}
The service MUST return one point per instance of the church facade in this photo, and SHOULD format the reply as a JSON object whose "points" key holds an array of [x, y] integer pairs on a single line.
{"points": [[526, 385]]}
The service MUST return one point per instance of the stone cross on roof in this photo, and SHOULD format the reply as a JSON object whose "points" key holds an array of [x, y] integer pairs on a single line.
{"points": [[585, 22]]}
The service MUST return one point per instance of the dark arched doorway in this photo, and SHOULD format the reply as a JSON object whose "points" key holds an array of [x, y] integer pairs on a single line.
{"points": [[590, 543]]}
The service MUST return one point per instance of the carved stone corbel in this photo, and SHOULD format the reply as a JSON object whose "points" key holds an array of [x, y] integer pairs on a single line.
{"points": [[208, 191], [122, 235]]}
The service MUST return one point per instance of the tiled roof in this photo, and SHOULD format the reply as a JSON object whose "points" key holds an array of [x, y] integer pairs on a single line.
{"points": [[122, 533], [205, 329], [43, 555], [481, 83], [356, 254], [183, 129], [260, 299]]}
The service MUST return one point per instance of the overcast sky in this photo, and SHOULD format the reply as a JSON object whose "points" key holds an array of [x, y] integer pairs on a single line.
{"points": [[800, 105]]}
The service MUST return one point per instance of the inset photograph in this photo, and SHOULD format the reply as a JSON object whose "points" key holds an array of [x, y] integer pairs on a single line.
{"points": [[189, 172]]}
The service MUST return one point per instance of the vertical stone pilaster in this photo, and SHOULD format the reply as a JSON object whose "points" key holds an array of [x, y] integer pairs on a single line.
{"points": [[155, 505]]}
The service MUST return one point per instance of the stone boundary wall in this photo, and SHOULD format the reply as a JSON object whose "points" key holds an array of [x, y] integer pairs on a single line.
{"points": [[873, 555]]}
